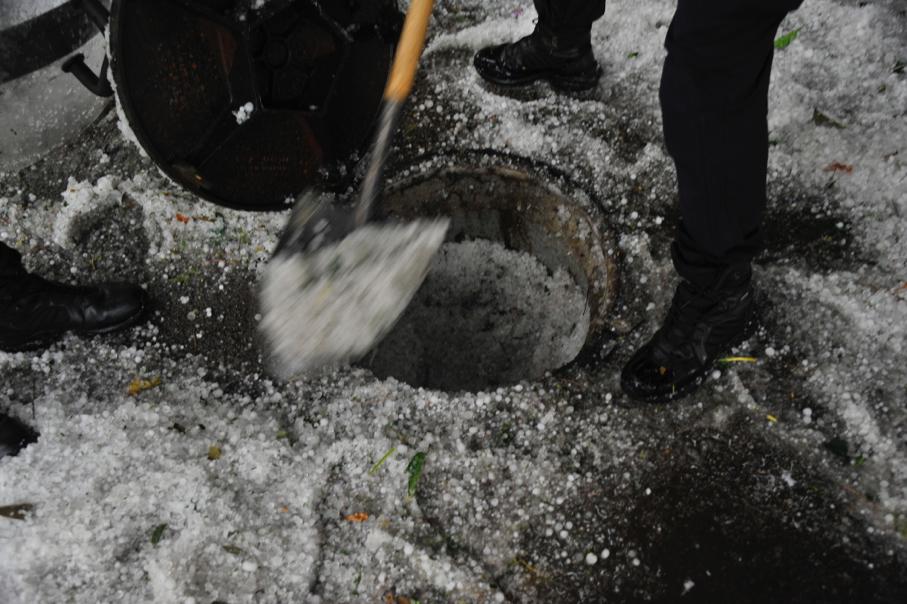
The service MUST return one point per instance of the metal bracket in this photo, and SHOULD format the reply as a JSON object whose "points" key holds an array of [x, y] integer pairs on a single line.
{"points": [[96, 83]]}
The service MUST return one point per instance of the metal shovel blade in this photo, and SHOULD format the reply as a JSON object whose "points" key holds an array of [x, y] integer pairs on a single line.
{"points": [[329, 295]]}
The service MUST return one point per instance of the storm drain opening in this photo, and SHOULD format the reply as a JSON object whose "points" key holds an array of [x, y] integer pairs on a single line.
{"points": [[525, 280]]}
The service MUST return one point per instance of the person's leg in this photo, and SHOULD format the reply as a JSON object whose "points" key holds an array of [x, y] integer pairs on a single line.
{"points": [[714, 96], [570, 22], [559, 51]]}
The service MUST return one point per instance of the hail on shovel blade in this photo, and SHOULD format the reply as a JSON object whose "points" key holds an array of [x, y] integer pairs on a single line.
{"points": [[333, 304]]}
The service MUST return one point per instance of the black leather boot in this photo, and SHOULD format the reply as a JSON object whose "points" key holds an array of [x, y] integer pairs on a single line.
{"points": [[14, 436], [539, 57], [701, 326], [35, 312]]}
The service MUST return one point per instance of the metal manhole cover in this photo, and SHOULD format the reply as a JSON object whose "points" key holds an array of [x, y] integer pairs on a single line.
{"points": [[247, 108]]}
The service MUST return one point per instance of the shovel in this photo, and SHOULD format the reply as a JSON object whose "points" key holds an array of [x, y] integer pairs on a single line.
{"points": [[337, 283]]}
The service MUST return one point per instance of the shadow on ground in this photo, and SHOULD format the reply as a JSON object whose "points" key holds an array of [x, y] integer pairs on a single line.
{"points": [[725, 516]]}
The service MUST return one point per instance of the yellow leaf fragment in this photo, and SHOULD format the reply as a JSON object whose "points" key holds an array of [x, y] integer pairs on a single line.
{"points": [[214, 452], [737, 360], [137, 386], [771, 418]]}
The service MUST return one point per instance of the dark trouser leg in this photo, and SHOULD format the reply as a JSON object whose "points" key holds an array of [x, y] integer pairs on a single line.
{"points": [[569, 21], [714, 99], [10, 262]]}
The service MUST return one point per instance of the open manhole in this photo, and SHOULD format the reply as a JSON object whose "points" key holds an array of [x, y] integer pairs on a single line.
{"points": [[523, 283]]}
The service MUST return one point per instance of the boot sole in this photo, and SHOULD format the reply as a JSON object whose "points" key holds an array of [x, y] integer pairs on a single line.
{"points": [[688, 388], [557, 82], [44, 339]]}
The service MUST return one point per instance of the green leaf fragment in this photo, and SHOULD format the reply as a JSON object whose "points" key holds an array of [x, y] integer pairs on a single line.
{"points": [[785, 40], [158, 533], [381, 461], [632, 55], [282, 434], [414, 469], [232, 549]]}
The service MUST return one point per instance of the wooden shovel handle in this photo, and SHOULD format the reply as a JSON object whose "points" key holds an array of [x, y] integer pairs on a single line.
{"points": [[409, 48]]}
